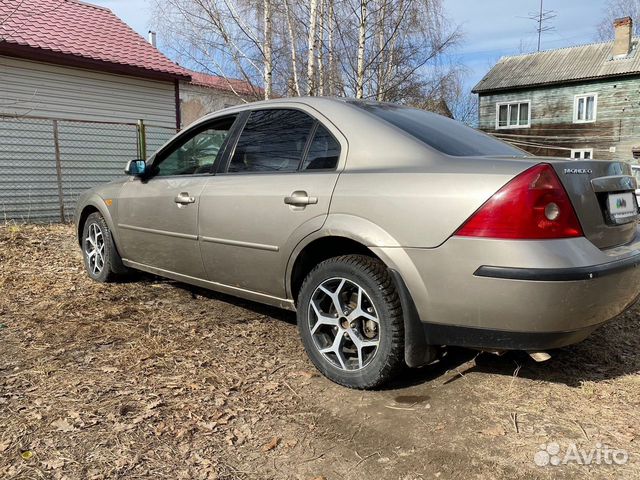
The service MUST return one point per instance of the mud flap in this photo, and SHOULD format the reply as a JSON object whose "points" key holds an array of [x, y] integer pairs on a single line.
{"points": [[416, 350]]}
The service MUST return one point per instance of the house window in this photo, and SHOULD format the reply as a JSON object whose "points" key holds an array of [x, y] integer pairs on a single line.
{"points": [[582, 154], [585, 108], [513, 115]]}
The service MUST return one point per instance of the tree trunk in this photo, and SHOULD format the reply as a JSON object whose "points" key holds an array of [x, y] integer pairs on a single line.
{"points": [[311, 89], [292, 42], [268, 50], [381, 53], [331, 76], [362, 38], [390, 63], [321, 49]]}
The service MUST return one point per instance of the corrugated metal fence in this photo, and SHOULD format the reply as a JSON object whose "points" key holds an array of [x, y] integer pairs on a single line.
{"points": [[46, 163]]}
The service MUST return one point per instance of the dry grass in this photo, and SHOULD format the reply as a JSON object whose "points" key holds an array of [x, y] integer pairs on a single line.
{"points": [[143, 380], [152, 379]]}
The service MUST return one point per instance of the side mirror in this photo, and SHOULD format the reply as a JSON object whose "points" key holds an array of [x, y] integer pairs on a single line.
{"points": [[136, 168]]}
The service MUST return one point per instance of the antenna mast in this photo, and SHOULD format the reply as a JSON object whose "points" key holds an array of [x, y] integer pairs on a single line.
{"points": [[542, 18]]}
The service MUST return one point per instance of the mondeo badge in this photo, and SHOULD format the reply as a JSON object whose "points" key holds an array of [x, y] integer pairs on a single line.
{"points": [[584, 171]]}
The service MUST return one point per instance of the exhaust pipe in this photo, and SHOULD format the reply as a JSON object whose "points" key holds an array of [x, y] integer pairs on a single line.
{"points": [[539, 356]]}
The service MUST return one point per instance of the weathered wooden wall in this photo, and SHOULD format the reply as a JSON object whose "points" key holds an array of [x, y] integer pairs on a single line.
{"points": [[617, 122]]}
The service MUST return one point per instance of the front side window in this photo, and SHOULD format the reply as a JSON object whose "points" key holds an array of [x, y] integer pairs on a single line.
{"points": [[513, 115], [272, 141], [582, 154], [584, 108], [197, 152]]}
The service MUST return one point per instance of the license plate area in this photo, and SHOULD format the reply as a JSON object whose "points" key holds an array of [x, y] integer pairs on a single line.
{"points": [[621, 207]]}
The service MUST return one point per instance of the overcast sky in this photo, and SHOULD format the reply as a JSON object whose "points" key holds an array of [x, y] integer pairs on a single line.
{"points": [[492, 28]]}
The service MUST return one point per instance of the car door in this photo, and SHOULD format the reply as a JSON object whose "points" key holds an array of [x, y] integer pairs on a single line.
{"points": [[158, 213], [274, 190]]}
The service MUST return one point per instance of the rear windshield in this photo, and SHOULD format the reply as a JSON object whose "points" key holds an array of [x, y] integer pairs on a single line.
{"points": [[446, 135]]}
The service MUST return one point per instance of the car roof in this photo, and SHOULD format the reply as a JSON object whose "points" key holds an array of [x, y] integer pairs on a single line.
{"points": [[316, 102], [364, 134]]}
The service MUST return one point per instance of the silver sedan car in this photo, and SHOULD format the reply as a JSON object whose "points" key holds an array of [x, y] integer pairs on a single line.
{"points": [[390, 231]]}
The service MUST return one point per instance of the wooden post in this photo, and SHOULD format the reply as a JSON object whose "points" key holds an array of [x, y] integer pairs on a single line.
{"points": [[142, 140], [56, 143]]}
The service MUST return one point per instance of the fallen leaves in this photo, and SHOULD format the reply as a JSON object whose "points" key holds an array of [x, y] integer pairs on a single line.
{"points": [[63, 425], [304, 374], [137, 380], [273, 443], [494, 431], [270, 386], [53, 464], [109, 369]]}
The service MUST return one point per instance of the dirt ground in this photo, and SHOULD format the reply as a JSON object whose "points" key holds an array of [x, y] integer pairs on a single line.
{"points": [[154, 379]]}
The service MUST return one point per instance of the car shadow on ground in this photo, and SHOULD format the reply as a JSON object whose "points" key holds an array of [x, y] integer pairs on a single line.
{"points": [[610, 352], [255, 307]]}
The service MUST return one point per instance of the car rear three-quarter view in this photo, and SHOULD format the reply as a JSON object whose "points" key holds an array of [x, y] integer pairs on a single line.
{"points": [[391, 231]]}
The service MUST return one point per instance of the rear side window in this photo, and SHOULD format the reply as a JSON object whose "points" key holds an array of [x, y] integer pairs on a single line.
{"points": [[324, 151], [445, 135], [272, 141]]}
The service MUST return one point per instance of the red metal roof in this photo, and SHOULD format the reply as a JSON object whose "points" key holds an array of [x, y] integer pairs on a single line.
{"points": [[241, 87], [70, 30]]}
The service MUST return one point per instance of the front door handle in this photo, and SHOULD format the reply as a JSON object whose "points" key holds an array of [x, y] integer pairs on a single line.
{"points": [[184, 199], [300, 198]]}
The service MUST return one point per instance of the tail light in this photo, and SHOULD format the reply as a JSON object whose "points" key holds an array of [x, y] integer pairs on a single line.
{"points": [[534, 205]]}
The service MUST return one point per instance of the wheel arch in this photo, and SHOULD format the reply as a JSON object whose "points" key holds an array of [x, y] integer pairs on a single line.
{"points": [[355, 235], [95, 204], [318, 250], [341, 234]]}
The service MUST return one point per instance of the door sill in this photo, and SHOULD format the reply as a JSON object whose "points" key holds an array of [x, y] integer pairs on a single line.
{"points": [[218, 287]]}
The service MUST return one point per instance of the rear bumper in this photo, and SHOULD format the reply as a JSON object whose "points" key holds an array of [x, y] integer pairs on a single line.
{"points": [[488, 339], [519, 295]]}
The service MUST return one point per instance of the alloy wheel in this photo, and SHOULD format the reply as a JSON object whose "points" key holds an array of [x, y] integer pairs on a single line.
{"points": [[344, 324], [94, 249]]}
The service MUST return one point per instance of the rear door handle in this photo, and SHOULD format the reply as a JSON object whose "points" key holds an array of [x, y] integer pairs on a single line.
{"points": [[184, 199], [300, 198]]}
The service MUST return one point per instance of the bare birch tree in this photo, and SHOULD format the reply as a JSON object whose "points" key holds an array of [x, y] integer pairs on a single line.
{"points": [[616, 9], [331, 68], [312, 45], [292, 49], [320, 49], [389, 50], [268, 50], [362, 43]]}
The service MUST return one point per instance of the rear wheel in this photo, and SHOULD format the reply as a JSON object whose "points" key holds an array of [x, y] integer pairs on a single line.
{"points": [[101, 259], [350, 321]]}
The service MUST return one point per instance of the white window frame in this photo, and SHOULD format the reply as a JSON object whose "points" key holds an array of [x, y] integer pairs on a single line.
{"points": [[582, 152], [515, 102], [576, 98]]}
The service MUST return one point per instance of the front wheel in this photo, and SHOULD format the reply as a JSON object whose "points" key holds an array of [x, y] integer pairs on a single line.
{"points": [[350, 320], [101, 259]]}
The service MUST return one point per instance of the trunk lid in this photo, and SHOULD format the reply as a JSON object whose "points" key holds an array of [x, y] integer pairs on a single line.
{"points": [[594, 187]]}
